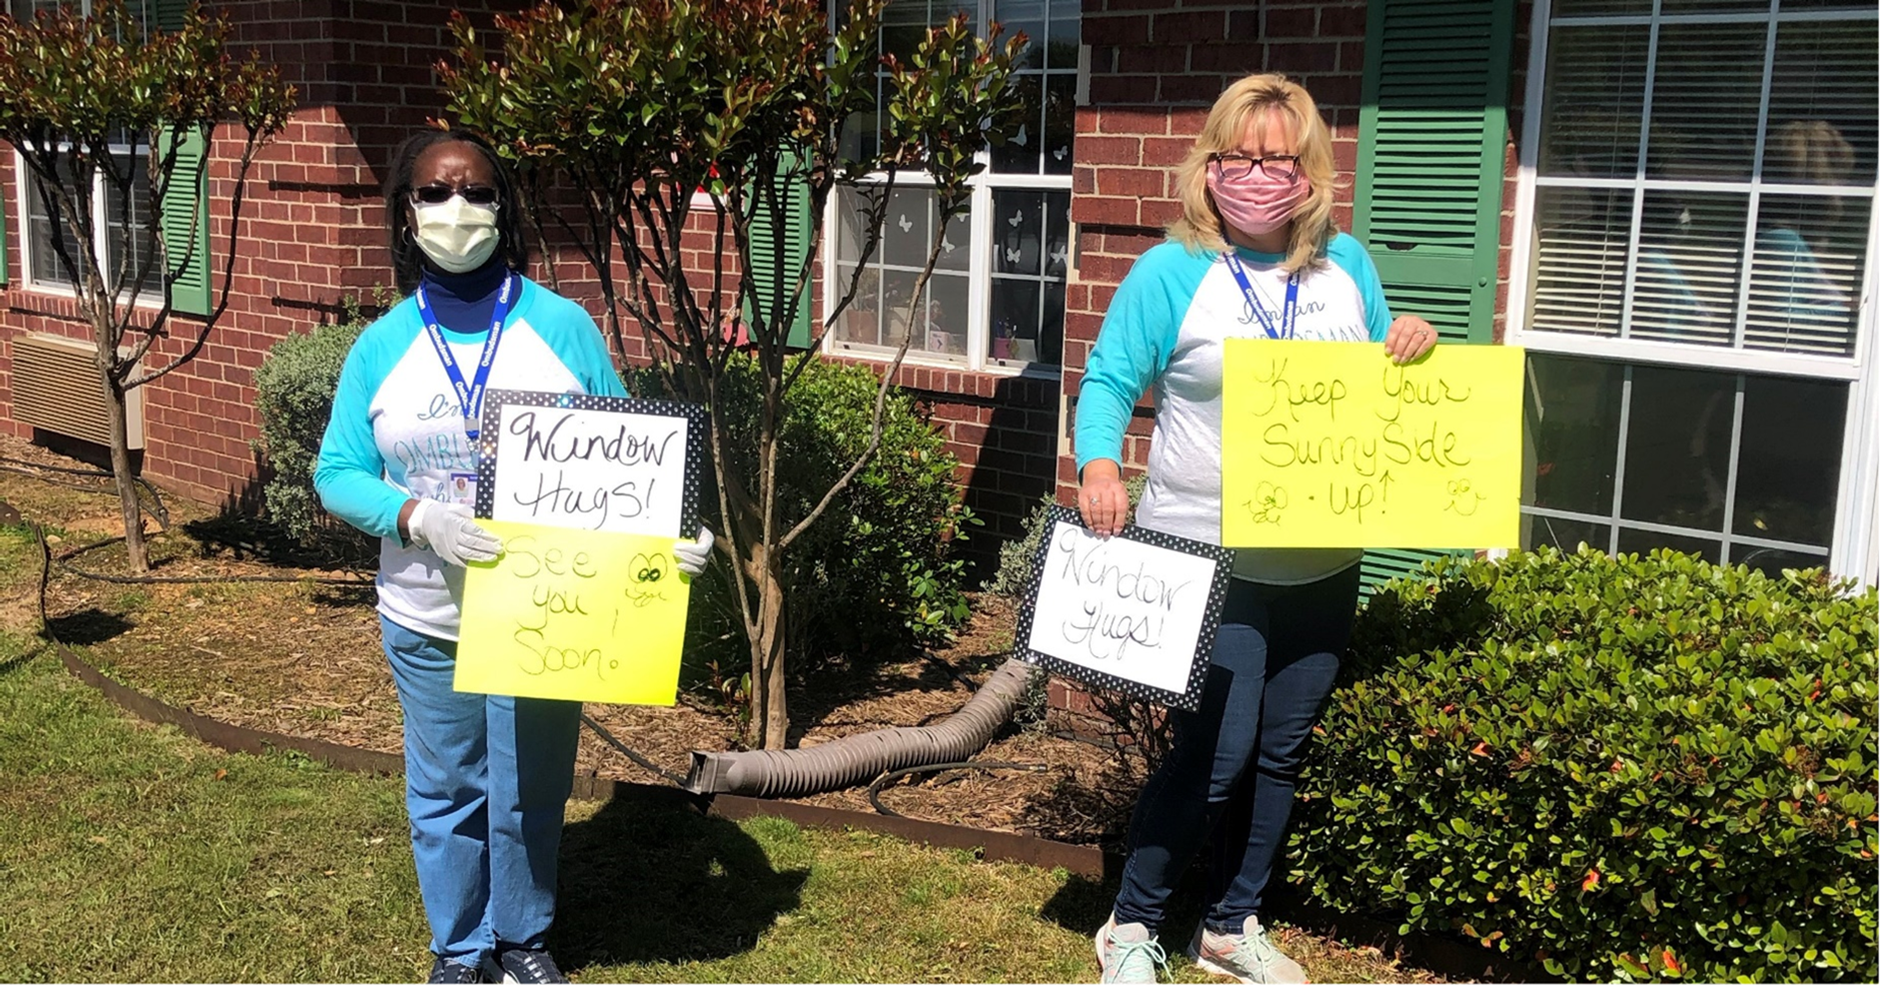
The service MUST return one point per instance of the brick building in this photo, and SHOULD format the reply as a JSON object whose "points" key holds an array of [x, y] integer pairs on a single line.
{"points": [[1668, 202]]}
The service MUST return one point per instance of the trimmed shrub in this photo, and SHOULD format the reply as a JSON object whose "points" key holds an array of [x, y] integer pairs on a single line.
{"points": [[1632, 768], [880, 572], [294, 392]]}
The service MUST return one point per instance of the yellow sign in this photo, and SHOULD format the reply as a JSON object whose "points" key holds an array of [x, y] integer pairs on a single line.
{"points": [[567, 614], [1334, 445]]}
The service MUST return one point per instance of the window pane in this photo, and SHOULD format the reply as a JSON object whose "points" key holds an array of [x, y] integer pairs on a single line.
{"points": [[861, 322], [1774, 561], [1597, 79], [140, 238], [1686, 284], [1563, 533], [1028, 16], [1643, 542], [1061, 122], [1020, 153], [1019, 224], [1679, 434], [48, 236], [1062, 46], [1823, 105], [1711, 6], [1806, 274], [1596, 8], [1015, 321], [1572, 423], [1707, 79], [1790, 454], [1581, 259]]}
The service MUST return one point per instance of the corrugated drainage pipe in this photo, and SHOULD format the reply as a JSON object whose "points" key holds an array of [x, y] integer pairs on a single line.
{"points": [[855, 760]]}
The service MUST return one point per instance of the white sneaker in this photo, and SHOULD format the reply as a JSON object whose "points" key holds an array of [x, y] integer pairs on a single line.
{"points": [[1128, 954], [1250, 958]]}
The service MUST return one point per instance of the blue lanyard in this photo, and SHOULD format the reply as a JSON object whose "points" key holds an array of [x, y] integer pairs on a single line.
{"points": [[1286, 331], [470, 397]]}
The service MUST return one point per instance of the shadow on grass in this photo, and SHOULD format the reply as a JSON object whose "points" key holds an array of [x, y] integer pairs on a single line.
{"points": [[90, 626], [652, 879], [1082, 905]]}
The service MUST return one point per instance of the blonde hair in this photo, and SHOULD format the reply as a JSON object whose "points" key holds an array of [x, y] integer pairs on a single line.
{"points": [[1251, 98], [1809, 151]]}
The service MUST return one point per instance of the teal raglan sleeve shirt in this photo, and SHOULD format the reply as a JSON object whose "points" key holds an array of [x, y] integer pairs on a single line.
{"points": [[1134, 346], [1347, 252], [350, 476]]}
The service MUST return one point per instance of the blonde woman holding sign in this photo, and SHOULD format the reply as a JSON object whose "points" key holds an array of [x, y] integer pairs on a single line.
{"points": [[486, 777], [1255, 254]]}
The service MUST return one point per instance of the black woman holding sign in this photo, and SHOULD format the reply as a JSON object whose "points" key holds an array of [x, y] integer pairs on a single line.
{"points": [[486, 776], [1255, 254]]}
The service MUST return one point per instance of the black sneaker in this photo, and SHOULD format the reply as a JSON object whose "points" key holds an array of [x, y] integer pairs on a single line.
{"points": [[445, 971], [522, 966]]}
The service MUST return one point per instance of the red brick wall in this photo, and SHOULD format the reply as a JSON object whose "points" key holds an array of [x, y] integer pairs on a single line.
{"points": [[313, 237], [1156, 67]]}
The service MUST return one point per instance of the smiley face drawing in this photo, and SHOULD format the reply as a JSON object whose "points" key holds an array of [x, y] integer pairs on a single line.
{"points": [[1464, 501], [646, 573], [1268, 502]]}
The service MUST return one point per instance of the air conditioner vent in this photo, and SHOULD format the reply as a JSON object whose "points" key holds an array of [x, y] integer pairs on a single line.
{"points": [[56, 388]]}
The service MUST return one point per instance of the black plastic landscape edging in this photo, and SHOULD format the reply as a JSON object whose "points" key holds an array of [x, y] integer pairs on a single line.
{"points": [[1438, 954], [991, 844]]}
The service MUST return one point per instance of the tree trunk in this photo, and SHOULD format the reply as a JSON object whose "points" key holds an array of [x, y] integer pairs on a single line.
{"points": [[127, 485], [770, 722]]}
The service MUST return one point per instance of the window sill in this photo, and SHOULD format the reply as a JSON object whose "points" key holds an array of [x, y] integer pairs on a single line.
{"points": [[1029, 386]]}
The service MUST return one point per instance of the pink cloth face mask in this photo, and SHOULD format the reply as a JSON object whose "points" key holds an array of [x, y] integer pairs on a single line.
{"points": [[1257, 203]]}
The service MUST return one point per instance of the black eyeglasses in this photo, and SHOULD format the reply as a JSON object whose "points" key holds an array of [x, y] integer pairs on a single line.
{"points": [[1232, 165], [434, 195]]}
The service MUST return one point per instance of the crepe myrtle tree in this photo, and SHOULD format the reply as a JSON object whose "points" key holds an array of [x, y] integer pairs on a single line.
{"points": [[632, 107], [92, 103]]}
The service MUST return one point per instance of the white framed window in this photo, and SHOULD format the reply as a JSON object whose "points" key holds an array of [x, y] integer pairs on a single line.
{"points": [[996, 299], [40, 237], [1694, 276]]}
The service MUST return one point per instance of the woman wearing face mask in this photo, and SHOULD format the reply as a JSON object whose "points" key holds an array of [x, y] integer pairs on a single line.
{"points": [[486, 776], [1255, 254]]}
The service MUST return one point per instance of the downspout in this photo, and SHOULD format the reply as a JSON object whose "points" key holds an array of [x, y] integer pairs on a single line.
{"points": [[856, 760]]}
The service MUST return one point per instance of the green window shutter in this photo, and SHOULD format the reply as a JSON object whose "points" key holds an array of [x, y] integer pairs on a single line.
{"points": [[779, 253], [168, 14], [1428, 198], [183, 203]]}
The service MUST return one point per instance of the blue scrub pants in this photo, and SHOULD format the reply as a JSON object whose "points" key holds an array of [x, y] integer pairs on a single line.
{"points": [[1230, 778], [486, 780]]}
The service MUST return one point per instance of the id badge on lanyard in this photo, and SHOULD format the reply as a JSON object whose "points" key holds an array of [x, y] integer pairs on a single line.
{"points": [[1288, 308], [470, 397]]}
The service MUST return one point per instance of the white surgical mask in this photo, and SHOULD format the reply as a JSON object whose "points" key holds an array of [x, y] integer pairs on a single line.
{"points": [[455, 234]]}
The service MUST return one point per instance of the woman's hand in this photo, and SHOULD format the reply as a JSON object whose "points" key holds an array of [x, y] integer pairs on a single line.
{"points": [[1101, 498], [1409, 338]]}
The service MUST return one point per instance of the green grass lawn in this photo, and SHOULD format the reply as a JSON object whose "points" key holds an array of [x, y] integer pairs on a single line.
{"points": [[129, 852]]}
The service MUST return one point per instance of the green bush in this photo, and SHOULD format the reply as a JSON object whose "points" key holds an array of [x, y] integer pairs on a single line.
{"points": [[880, 571], [1623, 768], [294, 392]]}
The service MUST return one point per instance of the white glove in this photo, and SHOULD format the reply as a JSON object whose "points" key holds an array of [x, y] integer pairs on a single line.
{"points": [[447, 529], [693, 556]]}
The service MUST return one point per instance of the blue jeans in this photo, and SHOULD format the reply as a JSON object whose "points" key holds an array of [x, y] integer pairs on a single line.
{"points": [[1230, 777], [486, 780]]}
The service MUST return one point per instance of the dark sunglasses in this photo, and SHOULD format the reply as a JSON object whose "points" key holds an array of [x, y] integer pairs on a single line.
{"points": [[435, 195]]}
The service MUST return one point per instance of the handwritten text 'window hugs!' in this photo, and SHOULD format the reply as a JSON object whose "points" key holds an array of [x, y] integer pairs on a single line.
{"points": [[573, 615], [1334, 445], [1125, 609], [605, 471]]}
